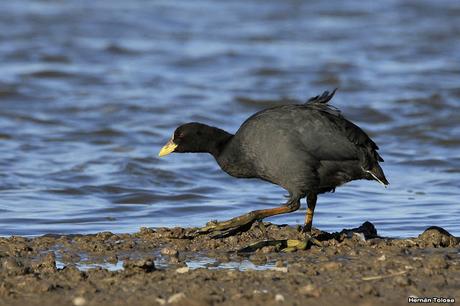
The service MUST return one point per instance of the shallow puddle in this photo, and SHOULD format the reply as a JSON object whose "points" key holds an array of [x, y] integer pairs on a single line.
{"points": [[82, 266], [199, 262], [211, 263]]}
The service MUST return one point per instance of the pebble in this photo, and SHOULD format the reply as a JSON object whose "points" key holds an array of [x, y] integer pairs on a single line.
{"points": [[360, 236], [79, 301], [169, 251], [280, 269], [279, 298], [182, 270]]}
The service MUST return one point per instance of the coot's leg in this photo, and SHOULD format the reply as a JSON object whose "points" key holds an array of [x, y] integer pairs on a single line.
{"points": [[311, 203], [242, 222]]}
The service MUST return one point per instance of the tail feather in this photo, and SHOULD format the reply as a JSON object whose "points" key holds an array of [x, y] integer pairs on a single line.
{"points": [[324, 98]]}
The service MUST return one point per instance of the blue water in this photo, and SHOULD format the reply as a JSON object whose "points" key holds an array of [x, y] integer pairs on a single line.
{"points": [[90, 91]]}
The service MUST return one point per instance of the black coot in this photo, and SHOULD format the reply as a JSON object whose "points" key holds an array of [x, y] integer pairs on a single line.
{"points": [[307, 149]]}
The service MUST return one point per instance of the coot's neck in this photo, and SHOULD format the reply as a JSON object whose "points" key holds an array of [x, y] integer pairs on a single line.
{"points": [[220, 139]]}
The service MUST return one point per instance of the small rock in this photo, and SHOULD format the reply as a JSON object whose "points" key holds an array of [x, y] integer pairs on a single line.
{"points": [[50, 259], [279, 298], [160, 301], [113, 259], [310, 290], [79, 301], [382, 258], [279, 264], [360, 236], [145, 265], [47, 264], [367, 229], [175, 298], [281, 269], [169, 251], [182, 270], [438, 237]]}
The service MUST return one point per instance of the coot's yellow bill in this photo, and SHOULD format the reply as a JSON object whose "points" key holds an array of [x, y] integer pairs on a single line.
{"points": [[169, 147]]}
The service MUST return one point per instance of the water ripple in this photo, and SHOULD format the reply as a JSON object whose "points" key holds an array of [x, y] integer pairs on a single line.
{"points": [[89, 92]]}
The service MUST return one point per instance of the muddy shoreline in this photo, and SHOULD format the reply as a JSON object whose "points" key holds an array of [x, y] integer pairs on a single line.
{"points": [[170, 266]]}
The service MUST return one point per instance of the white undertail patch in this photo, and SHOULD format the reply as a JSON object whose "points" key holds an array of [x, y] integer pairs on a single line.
{"points": [[376, 178]]}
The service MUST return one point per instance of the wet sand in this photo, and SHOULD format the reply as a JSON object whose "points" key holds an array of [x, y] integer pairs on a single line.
{"points": [[170, 266]]}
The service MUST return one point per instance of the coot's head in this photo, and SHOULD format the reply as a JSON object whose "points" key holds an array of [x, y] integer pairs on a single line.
{"points": [[195, 137]]}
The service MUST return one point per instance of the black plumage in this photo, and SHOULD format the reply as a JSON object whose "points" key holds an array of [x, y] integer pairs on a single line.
{"points": [[307, 149]]}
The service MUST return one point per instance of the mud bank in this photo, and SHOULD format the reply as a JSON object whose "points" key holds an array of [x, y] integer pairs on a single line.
{"points": [[170, 266]]}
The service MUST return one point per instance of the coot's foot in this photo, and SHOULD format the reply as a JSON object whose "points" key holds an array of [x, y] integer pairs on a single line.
{"points": [[306, 230], [285, 245], [230, 227]]}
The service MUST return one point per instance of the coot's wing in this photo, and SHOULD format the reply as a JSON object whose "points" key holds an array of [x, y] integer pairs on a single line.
{"points": [[330, 124]]}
